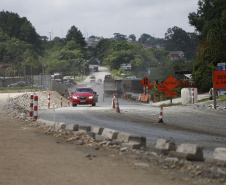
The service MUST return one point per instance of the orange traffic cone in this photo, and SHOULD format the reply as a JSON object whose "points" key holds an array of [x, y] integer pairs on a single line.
{"points": [[113, 103], [160, 116], [125, 96], [117, 106]]}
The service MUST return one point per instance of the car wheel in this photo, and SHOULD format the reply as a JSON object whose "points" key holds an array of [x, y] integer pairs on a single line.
{"points": [[74, 105], [94, 104]]}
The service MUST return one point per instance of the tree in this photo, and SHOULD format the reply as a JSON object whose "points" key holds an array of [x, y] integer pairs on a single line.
{"points": [[147, 39], [103, 48], [71, 45], [123, 45], [132, 37], [120, 37], [57, 40], [20, 28], [59, 65], [76, 35], [179, 40], [210, 21], [207, 11], [118, 58]]}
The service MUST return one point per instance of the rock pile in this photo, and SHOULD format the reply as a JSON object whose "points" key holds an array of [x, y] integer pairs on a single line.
{"points": [[183, 159], [21, 103], [220, 105], [186, 159]]}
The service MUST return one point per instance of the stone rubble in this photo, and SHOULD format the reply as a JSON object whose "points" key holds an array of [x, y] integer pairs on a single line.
{"points": [[220, 105], [207, 171]]}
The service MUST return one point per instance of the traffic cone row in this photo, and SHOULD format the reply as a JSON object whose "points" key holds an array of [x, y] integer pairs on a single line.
{"points": [[160, 116], [117, 106]]}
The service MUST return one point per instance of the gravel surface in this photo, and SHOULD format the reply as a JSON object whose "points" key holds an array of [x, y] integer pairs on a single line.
{"points": [[180, 171], [199, 124]]}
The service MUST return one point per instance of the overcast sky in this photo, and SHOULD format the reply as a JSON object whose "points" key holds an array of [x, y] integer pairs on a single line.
{"points": [[104, 17]]}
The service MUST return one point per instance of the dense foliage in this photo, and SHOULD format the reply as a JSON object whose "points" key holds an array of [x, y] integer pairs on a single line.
{"points": [[179, 40], [142, 59], [20, 28], [210, 22], [21, 46]]}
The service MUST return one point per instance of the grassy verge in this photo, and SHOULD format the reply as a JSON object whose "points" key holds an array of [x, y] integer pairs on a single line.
{"points": [[203, 100], [222, 97], [207, 99], [80, 78]]}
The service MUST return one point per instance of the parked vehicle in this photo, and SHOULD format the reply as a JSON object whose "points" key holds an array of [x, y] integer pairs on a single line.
{"points": [[12, 85], [19, 83], [84, 95]]}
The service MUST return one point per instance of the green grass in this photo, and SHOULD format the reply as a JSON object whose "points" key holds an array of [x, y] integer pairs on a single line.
{"points": [[222, 97], [80, 78], [203, 100], [207, 99]]}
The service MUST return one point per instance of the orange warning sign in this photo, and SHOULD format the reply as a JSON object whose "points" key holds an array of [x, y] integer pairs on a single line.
{"points": [[219, 79], [162, 88], [150, 87], [170, 83], [170, 94], [145, 81]]}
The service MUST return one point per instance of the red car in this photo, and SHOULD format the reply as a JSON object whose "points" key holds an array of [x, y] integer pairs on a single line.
{"points": [[84, 95]]}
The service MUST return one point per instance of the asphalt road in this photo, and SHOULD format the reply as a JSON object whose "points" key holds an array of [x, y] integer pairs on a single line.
{"points": [[182, 124]]}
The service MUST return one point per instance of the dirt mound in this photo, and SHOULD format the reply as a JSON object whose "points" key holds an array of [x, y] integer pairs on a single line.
{"points": [[21, 103]]}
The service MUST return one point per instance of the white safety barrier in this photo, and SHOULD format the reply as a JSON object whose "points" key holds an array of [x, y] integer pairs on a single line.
{"points": [[31, 105], [48, 100], [35, 107], [160, 116], [192, 95], [117, 106], [113, 102]]}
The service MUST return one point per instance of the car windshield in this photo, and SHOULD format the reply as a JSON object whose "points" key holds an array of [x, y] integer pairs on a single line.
{"points": [[83, 91]]}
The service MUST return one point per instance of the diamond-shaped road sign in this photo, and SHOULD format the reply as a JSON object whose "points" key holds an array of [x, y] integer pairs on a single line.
{"points": [[145, 81], [170, 83]]}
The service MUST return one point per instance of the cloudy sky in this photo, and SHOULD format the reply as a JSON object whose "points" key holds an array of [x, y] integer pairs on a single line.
{"points": [[104, 17]]}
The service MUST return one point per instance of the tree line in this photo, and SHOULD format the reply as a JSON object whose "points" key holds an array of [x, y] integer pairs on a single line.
{"points": [[25, 49], [210, 23]]}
